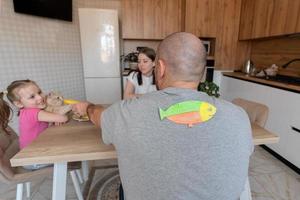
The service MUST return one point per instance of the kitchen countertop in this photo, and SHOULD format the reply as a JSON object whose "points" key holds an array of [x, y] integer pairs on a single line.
{"points": [[243, 76], [126, 72]]}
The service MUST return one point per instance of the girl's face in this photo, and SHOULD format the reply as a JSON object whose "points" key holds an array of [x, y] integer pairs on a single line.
{"points": [[30, 96], [145, 64]]}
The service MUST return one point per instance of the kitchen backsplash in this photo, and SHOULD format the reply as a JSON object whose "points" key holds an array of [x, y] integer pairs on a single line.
{"points": [[45, 50], [277, 51]]}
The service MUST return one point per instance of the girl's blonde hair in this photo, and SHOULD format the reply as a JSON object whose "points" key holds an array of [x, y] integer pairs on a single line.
{"points": [[14, 87], [11, 94]]}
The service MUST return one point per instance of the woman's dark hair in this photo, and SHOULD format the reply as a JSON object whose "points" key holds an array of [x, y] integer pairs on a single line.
{"points": [[150, 53], [5, 112]]}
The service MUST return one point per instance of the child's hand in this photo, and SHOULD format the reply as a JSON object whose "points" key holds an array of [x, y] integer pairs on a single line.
{"points": [[59, 123]]}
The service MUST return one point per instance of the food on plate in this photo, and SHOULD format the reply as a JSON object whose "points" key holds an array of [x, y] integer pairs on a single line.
{"points": [[83, 118]]}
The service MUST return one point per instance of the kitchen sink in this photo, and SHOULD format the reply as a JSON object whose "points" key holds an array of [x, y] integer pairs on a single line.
{"points": [[285, 79]]}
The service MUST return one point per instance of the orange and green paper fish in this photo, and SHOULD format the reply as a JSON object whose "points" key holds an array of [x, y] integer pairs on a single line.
{"points": [[189, 112]]}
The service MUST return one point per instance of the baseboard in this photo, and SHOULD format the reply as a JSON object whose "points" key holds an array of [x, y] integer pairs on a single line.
{"points": [[282, 159]]}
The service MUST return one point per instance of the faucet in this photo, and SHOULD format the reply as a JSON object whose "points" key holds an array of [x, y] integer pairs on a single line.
{"points": [[286, 64]]}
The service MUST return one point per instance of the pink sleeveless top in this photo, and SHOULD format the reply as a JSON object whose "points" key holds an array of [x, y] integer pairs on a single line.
{"points": [[29, 126]]}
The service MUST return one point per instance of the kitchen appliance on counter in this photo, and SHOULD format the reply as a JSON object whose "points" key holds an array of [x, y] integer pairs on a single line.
{"points": [[248, 67], [206, 44], [209, 71], [99, 33], [131, 61]]}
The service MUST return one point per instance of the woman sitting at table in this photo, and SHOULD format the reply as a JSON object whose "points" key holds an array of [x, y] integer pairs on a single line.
{"points": [[142, 80]]}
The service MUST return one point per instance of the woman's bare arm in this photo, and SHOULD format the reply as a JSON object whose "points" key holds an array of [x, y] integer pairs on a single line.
{"points": [[129, 91]]}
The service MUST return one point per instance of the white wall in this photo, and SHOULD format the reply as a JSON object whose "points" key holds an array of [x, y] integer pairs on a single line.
{"points": [[218, 76], [44, 50]]}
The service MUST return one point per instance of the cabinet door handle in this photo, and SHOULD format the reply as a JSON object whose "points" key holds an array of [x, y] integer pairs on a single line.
{"points": [[295, 129]]}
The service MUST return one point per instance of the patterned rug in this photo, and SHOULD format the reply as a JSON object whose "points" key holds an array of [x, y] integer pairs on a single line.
{"points": [[103, 183]]}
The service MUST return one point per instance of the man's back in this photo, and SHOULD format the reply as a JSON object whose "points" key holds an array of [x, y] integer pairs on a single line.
{"points": [[159, 159]]}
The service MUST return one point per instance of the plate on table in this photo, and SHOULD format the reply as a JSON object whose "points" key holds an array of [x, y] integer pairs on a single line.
{"points": [[84, 118]]}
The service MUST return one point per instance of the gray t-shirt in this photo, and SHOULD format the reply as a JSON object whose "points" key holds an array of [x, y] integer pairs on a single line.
{"points": [[163, 160]]}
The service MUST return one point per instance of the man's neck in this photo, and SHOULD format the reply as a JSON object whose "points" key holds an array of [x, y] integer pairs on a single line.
{"points": [[183, 84]]}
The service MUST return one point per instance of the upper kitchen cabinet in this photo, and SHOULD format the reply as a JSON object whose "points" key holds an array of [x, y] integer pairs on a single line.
{"points": [[202, 17], [151, 19], [218, 19], [268, 18], [230, 53]]}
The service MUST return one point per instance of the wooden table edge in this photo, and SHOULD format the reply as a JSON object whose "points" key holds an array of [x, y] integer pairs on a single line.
{"points": [[65, 158]]}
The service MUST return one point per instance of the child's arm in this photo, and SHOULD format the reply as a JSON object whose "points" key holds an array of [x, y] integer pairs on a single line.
{"points": [[51, 117]]}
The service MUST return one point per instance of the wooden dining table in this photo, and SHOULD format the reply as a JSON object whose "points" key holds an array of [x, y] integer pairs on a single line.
{"points": [[73, 141], [82, 141]]}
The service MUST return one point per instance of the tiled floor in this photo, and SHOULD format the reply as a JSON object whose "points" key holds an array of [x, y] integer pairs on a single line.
{"points": [[269, 180]]}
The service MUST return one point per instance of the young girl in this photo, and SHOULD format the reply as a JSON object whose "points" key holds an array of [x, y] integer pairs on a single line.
{"points": [[141, 81], [28, 97]]}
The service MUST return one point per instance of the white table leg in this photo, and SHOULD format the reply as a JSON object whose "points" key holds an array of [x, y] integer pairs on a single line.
{"points": [[59, 181], [27, 189], [19, 194], [85, 170]]}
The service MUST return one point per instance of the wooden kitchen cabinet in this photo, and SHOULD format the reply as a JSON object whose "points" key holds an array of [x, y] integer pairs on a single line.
{"points": [[151, 19], [268, 18], [219, 19], [215, 19], [293, 139], [284, 113], [230, 52], [201, 17], [233, 88]]}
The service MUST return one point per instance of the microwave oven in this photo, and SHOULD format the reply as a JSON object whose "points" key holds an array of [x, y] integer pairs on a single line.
{"points": [[206, 44], [208, 74]]}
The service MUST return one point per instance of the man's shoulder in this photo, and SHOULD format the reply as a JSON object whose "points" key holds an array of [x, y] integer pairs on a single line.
{"points": [[228, 110], [136, 103], [228, 105]]}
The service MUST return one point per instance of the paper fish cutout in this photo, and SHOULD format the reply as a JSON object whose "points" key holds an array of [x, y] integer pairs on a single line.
{"points": [[189, 112]]}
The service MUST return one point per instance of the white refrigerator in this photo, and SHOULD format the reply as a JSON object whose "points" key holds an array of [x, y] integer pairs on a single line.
{"points": [[99, 33]]}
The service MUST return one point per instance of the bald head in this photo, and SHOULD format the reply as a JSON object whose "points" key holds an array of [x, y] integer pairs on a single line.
{"points": [[184, 56]]}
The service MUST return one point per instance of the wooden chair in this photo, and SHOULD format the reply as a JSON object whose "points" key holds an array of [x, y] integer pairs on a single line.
{"points": [[257, 113], [9, 146]]}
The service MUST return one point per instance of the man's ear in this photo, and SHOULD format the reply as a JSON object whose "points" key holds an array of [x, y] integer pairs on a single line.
{"points": [[162, 68], [18, 104]]}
